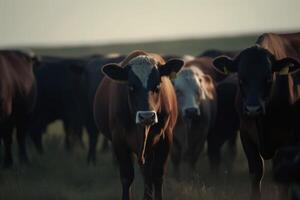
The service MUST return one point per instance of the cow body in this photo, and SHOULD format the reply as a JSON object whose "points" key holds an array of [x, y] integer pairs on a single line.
{"points": [[66, 90], [17, 100], [136, 109], [213, 53], [197, 104], [266, 103], [226, 126], [93, 78], [60, 96]]}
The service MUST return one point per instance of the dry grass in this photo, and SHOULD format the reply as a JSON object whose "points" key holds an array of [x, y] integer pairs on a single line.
{"points": [[59, 175]]}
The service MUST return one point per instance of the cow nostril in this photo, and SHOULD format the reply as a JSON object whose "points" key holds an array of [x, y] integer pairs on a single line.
{"points": [[141, 117], [146, 117], [253, 109]]}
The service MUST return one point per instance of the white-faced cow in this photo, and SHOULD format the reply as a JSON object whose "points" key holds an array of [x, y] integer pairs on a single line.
{"points": [[196, 98]]}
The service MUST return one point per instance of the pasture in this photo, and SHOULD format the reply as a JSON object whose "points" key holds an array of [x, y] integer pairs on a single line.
{"points": [[59, 175]]}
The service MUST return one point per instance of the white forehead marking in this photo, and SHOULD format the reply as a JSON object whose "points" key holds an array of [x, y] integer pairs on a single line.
{"points": [[142, 67], [188, 77]]}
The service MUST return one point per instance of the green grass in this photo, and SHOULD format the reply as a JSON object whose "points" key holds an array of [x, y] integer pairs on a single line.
{"points": [[59, 175]]}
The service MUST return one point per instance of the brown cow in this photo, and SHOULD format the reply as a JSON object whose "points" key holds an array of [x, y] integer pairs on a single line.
{"points": [[135, 107], [266, 102], [17, 93]]}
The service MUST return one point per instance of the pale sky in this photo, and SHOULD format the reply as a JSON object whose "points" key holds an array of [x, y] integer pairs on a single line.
{"points": [[67, 22]]}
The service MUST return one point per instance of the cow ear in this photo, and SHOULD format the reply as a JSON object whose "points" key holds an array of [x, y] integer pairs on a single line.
{"points": [[225, 64], [171, 67], [285, 65], [115, 72]]}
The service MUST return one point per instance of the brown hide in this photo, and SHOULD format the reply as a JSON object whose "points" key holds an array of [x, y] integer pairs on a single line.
{"points": [[112, 111], [16, 78]]}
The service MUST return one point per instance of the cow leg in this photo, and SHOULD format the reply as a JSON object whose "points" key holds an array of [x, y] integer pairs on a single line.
{"points": [[176, 157], [105, 145], [22, 129], [147, 174], [256, 166], [77, 135], [93, 140], [0, 148], [159, 165], [214, 144], [125, 161], [196, 143], [37, 140], [68, 139], [7, 140], [232, 145], [36, 136]]}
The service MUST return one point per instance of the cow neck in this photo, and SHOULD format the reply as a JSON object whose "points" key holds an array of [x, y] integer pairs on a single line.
{"points": [[260, 134], [280, 92]]}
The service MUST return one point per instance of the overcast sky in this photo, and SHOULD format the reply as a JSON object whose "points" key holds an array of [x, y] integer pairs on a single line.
{"points": [[66, 22]]}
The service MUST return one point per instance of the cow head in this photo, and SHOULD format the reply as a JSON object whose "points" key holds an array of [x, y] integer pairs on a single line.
{"points": [[143, 78], [255, 67], [190, 91]]}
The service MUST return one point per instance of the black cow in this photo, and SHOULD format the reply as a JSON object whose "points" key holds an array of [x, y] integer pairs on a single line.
{"points": [[66, 90], [60, 86], [213, 53], [286, 166], [266, 111], [227, 122], [94, 77]]}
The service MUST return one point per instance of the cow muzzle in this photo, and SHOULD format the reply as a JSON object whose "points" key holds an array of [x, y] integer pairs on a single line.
{"points": [[253, 111], [146, 118]]}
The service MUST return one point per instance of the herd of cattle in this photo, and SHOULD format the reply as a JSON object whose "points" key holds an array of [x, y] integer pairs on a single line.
{"points": [[154, 106]]}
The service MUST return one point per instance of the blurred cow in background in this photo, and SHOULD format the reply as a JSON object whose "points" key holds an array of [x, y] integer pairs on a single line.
{"points": [[286, 166], [197, 105], [66, 89], [60, 95], [227, 121], [17, 95], [213, 53], [94, 77]]}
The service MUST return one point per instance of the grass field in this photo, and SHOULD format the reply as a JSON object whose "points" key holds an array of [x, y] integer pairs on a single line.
{"points": [[59, 175]]}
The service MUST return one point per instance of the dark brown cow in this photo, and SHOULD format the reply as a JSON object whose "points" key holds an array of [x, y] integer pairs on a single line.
{"points": [[197, 107], [266, 102], [135, 107], [213, 53], [17, 93], [207, 67]]}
